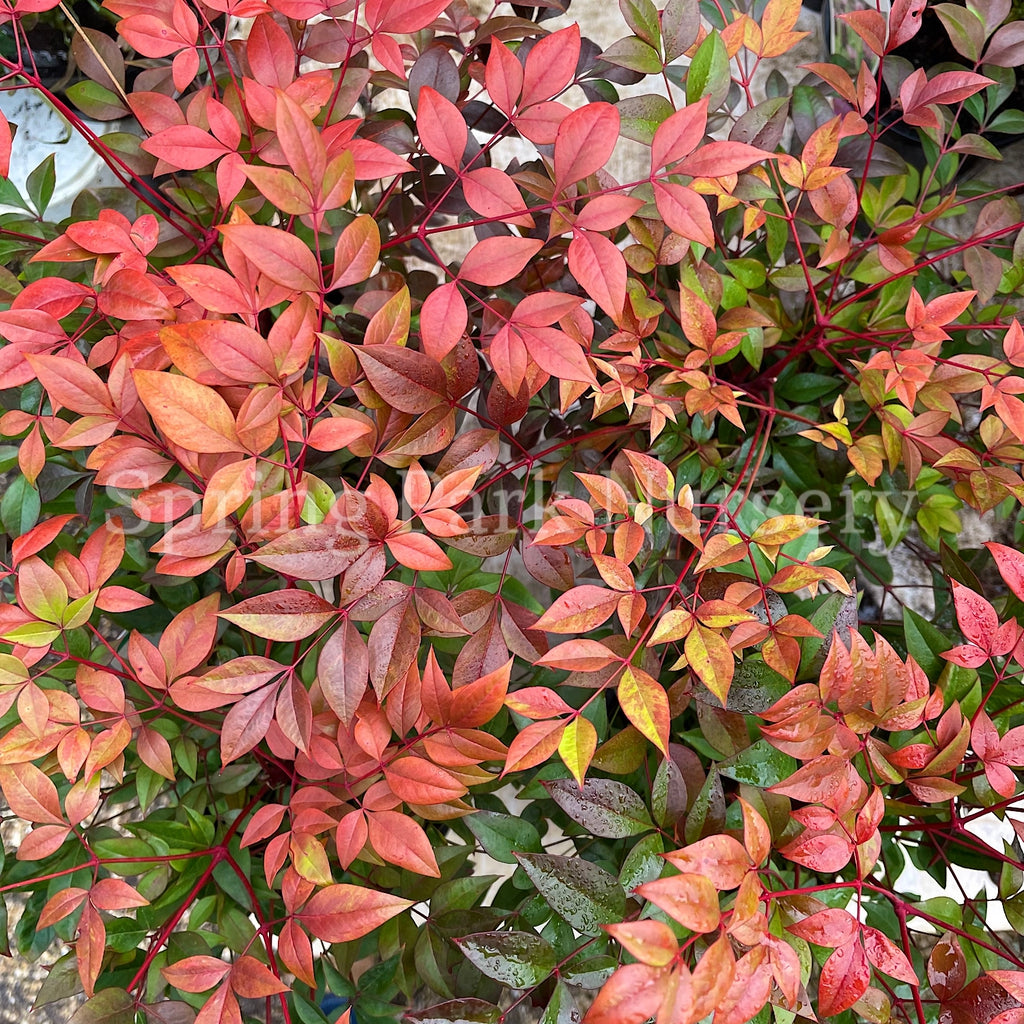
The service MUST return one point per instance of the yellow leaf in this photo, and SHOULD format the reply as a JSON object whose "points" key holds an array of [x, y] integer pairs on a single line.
{"points": [[576, 747], [645, 703]]}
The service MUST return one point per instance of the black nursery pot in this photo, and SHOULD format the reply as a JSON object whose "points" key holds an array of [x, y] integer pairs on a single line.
{"points": [[931, 50]]}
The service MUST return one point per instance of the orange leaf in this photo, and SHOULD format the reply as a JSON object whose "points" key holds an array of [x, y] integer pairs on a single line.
{"points": [[651, 942], [690, 899], [252, 980], [191, 415], [579, 610], [343, 913], [196, 973], [417, 781], [398, 839]]}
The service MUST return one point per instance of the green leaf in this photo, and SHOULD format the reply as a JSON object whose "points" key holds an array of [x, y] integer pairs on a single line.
{"points": [[634, 54], [19, 507], [708, 74], [111, 1006], [516, 959], [305, 1011], [96, 102], [755, 687], [10, 196], [642, 17], [584, 894], [643, 863], [500, 834], [562, 1007], [759, 765], [590, 972], [458, 1011], [642, 115], [925, 643], [602, 806], [41, 183]]}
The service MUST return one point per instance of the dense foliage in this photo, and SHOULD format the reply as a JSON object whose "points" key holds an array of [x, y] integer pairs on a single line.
{"points": [[389, 484]]}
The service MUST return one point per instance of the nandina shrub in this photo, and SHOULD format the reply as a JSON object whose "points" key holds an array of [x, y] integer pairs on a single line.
{"points": [[378, 498]]}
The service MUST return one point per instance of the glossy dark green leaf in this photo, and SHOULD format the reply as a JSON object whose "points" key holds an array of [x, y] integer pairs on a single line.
{"points": [[516, 959], [583, 893], [41, 182], [19, 507], [501, 834], [604, 807], [759, 765]]}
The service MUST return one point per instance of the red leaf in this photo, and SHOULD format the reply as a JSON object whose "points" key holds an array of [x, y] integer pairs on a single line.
{"points": [[343, 913], [579, 610], [721, 858], [950, 87], [407, 380], [263, 824], [30, 794], [844, 979], [252, 980], [402, 18], [651, 942], [476, 703], [317, 552], [493, 194], [495, 261], [73, 385], [90, 945], [584, 142], [829, 928], [550, 65], [888, 957], [716, 159], [441, 127], [678, 135], [578, 656], [185, 146], [282, 257], [344, 671], [444, 316], [598, 265], [504, 76], [977, 618], [684, 211], [270, 53], [285, 616], [356, 253], [1010, 563], [418, 551], [247, 723], [5, 147], [535, 744], [398, 839]]}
